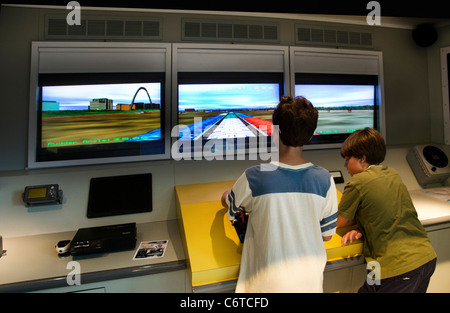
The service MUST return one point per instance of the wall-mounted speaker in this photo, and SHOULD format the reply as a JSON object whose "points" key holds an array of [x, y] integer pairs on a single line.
{"points": [[424, 35], [430, 164]]}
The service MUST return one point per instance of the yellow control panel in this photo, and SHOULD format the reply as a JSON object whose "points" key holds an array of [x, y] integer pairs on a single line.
{"points": [[210, 241]]}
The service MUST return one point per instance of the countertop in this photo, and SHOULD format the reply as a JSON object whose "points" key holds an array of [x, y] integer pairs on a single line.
{"points": [[205, 241], [32, 263], [431, 208]]}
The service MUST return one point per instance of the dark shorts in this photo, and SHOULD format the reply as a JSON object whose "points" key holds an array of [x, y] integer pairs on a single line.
{"points": [[415, 281]]}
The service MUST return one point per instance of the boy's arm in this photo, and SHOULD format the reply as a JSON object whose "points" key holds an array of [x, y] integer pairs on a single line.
{"points": [[329, 215], [348, 206], [238, 197], [224, 197], [351, 235], [347, 211], [343, 222]]}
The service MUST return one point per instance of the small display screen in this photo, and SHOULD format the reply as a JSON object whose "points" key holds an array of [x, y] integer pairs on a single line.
{"points": [[117, 195], [37, 193]]}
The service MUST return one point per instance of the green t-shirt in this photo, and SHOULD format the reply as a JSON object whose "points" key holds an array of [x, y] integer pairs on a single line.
{"points": [[385, 214]]}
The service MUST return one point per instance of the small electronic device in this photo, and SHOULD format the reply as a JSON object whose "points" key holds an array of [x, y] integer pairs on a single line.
{"points": [[337, 177], [62, 247], [103, 239], [240, 223], [42, 195], [429, 164]]}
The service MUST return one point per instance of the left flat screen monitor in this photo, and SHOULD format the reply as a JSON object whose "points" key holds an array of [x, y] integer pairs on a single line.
{"points": [[82, 117]]}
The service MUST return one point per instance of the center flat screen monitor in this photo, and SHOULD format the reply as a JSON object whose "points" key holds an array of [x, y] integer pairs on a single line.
{"points": [[232, 110], [100, 115], [345, 103]]}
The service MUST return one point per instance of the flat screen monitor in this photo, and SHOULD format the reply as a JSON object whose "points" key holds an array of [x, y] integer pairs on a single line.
{"points": [[118, 195], [345, 103], [232, 110], [104, 115]]}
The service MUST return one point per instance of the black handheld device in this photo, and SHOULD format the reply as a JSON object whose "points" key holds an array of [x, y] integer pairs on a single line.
{"points": [[240, 223]]}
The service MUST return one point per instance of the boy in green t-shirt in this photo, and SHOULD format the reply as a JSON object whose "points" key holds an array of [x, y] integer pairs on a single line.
{"points": [[378, 202]]}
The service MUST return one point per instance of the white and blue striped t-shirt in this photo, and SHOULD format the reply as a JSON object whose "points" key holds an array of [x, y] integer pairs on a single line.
{"points": [[291, 208]]}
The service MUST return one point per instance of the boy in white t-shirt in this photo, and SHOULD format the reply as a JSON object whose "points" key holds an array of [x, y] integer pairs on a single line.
{"points": [[292, 210]]}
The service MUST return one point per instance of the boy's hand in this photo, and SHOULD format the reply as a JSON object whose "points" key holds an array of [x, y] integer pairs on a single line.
{"points": [[350, 236], [224, 196]]}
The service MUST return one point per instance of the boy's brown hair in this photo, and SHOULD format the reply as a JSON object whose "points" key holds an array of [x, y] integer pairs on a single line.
{"points": [[297, 120], [366, 142]]}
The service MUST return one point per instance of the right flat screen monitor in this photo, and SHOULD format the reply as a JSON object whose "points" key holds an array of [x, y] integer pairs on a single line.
{"points": [[345, 102]]}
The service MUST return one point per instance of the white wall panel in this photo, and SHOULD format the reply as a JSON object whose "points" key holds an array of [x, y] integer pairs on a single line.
{"points": [[335, 61], [103, 58], [212, 60]]}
